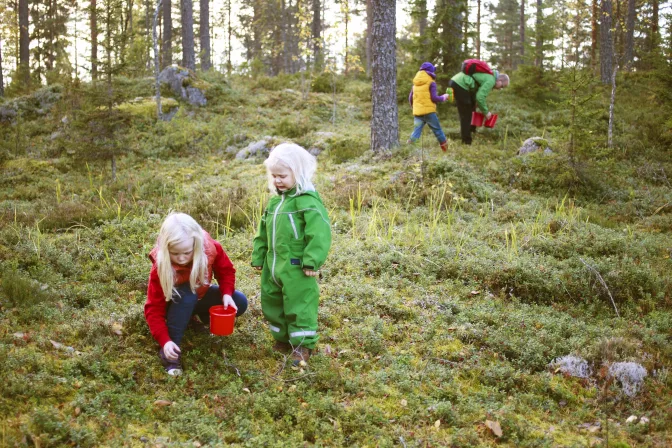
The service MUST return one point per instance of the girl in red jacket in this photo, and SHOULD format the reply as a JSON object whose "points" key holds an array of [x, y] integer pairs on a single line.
{"points": [[183, 262]]}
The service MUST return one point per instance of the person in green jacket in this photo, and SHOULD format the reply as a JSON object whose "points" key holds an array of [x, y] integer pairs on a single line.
{"points": [[471, 92], [290, 247]]}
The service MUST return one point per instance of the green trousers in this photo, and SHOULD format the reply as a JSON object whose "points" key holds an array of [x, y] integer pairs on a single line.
{"points": [[290, 303]]}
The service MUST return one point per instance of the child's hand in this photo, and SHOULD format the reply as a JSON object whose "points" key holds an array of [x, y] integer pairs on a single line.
{"points": [[228, 301], [258, 268], [171, 350], [488, 115], [310, 273]]}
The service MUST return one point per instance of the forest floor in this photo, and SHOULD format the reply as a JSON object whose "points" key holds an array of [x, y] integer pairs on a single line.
{"points": [[454, 281]]}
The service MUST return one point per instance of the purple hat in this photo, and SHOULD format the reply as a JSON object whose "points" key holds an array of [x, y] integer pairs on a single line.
{"points": [[428, 67]]}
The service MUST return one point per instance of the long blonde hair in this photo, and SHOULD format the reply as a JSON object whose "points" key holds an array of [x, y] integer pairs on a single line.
{"points": [[176, 228], [302, 164]]}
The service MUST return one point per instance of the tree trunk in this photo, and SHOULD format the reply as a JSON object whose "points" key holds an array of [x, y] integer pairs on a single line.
{"points": [[522, 32], [187, 16], [539, 44], [593, 36], [93, 15], [204, 32], [157, 85], [606, 42], [2, 82], [51, 16], [284, 36], [629, 36], [167, 50], [384, 117], [256, 29], [610, 142], [316, 30], [24, 43], [347, 21], [654, 25], [369, 29], [478, 30]]}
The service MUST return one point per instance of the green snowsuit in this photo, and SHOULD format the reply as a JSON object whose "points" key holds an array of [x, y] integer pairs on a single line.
{"points": [[294, 234]]}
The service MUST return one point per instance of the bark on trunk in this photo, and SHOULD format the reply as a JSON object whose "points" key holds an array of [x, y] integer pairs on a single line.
{"points": [[593, 36], [522, 32], [167, 50], [384, 117], [629, 36], [316, 30], [2, 82], [606, 42], [187, 15], [93, 13], [157, 85], [654, 25], [478, 30], [369, 29], [610, 141], [204, 32], [539, 44], [24, 43], [229, 66]]}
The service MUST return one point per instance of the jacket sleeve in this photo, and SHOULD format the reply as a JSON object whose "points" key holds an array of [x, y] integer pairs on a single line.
{"points": [[260, 243], [224, 272], [483, 91], [155, 309], [317, 236], [432, 92]]}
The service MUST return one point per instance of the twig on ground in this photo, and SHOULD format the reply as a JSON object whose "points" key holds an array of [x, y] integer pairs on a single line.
{"points": [[228, 364], [599, 277]]}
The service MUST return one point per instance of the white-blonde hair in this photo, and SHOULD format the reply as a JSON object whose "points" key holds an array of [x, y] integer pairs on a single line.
{"points": [[299, 161], [176, 228]]}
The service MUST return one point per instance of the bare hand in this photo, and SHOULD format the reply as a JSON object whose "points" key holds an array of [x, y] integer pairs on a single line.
{"points": [[171, 351], [227, 300], [310, 273], [488, 115]]}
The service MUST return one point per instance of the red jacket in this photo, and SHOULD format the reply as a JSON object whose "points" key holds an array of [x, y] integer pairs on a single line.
{"points": [[156, 304]]}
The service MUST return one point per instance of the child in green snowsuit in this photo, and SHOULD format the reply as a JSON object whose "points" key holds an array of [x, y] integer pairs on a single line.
{"points": [[290, 247]]}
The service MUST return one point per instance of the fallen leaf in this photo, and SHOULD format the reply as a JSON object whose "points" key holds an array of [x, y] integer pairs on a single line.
{"points": [[327, 349], [77, 411], [197, 444], [631, 419], [404, 402], [494, 427], [437, 423], [162, 403], [19, 335], [246, 390], [304, 405], [292, 388], [475, 292], [57, 345]]}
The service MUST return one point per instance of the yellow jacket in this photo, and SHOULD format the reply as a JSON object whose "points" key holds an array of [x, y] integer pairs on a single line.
{"points": [[422, 98]]}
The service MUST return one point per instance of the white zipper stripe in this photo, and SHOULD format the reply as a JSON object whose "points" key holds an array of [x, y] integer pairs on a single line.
{"points": [[302, 333], [275, 216], [291, 219], [274, 329]]}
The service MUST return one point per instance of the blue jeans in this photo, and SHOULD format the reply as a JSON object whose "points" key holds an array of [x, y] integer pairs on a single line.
{"points": [[182, 308], [431, 120]]}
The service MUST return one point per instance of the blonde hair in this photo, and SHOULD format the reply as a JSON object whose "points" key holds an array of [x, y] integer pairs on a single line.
{"points": [[298, 160], [176, 228]]}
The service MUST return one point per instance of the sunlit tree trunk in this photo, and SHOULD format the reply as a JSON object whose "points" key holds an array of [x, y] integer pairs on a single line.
{"points": [[167, 50], [316, 30], [606, 42], [655, 38], [204, 34], [384, 118], [2, 82], [539, 44], [593, 36], [522, 32], [369, 29], [187, 16], [24, 43]]}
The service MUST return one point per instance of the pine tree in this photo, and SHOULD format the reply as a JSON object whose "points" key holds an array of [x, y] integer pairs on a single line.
{"points": [[24, 43], [2, 81], [629, 36], [504, 29], [522, 32], [606, 42], [49, 18], [167, 44], [204, 34], [447, 34], [187, 22], [384, 117], [316, 28]]}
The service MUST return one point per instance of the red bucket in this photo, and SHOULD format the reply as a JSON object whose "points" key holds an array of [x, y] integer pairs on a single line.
{"points": [[222, 320], [477, 119], [490, 122]]}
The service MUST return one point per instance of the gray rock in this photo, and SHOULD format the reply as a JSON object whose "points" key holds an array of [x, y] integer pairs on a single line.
{"points": [[65, 120], [534, 144], [630, 374], [178, 80], [243, 154], [572, 365], [258, 148], [55, 135], [167, 116], [315, 151], [231, 150], [325, 135]]}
